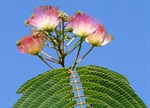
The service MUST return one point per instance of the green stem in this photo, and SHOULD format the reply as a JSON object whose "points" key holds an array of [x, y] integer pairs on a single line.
{"points": [[63, 42], [50, 46], [69, 42], [51, 60], [48, 56], [44, 61], [80, 45], [63, 35], [61, 57], [73, 47], [57, 34], [56, 46], [52, 40], [85, 54]]}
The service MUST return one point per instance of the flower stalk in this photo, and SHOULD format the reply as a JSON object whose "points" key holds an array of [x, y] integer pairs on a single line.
{"points": [[85, 54], [54, 28], [45, 61], [78, 53]]}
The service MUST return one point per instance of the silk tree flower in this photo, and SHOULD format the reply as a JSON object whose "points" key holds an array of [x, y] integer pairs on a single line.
{"points": [[99, 37], [44, 18], [32, 44], [82, 24]]}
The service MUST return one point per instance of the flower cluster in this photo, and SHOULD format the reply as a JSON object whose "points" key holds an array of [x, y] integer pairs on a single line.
{"points": [[52, 27], [32, 44], [44, 18], [99, 37], [82, 24]]}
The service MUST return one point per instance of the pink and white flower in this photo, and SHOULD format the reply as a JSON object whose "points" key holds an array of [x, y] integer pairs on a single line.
{"points": [[44, 18], [32, 44], [82, 24], [99, 37]]}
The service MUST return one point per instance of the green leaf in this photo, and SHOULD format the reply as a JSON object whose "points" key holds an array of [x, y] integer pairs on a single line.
{"points": [[50, 89], [108, 87], [102, 88]]}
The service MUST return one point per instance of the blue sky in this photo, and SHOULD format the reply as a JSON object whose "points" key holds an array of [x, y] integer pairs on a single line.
{"points": [[127, 54]]}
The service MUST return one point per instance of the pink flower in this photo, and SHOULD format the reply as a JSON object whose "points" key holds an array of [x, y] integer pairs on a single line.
{"points": [[31, 44], [82, 24], [44, 18], [99, 37]]}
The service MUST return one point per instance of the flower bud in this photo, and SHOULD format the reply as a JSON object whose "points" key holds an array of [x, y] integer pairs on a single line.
{"points": [[32, 44], [99, 37], [63, 15], [44, 18], [82, 24]]}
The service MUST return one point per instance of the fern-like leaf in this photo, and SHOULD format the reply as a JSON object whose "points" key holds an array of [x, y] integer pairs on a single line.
{"points": [[102, 88], [108, 87], [48, 90]]}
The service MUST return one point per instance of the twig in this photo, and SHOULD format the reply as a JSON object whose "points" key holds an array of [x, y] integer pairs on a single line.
{"points": [[50, 46], [44, 61], [80, 45], [48, 56], [73, 47], [63, 42], [51, 60], [85, 54], [69, 42]]}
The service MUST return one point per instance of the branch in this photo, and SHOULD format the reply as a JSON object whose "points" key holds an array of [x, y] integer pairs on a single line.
{"points": [[48, 56], [73, 47], [69, 42], [44, 61], [80, 45], [85, 54]]}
